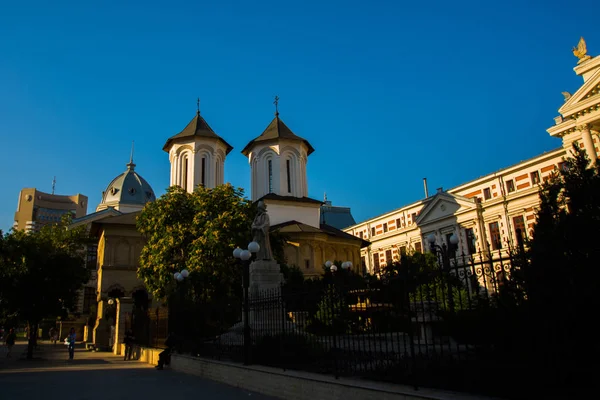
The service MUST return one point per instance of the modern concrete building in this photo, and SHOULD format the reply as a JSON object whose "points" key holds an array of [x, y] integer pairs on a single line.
{"points": [[490, 213], [36, 209]]}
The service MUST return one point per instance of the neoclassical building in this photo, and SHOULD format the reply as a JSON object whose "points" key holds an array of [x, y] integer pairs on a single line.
{"points": [[488, 214]]}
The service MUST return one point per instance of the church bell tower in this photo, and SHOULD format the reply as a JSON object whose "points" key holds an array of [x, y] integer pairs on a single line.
{"points": [[197, 155], [278, 161]]}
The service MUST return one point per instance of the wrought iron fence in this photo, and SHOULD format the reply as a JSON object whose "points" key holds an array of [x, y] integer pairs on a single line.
{"points": [[463, 324]]}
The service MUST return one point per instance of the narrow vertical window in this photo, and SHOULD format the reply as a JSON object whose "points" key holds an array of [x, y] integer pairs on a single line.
{"points": [[270, 176], [184, 174], [289, 181], [203, 177], [495, 236]]}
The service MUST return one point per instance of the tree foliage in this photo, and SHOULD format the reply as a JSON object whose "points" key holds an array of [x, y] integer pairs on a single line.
{"points": [[41, 272], [195, 231], [562, 273]]}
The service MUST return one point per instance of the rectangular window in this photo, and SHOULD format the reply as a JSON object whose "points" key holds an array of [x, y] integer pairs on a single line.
{"points": [[385, 228], [376, 263], [471, 243], [495, 236], [510, 186], [388, 257], [203, 172], [418, 247], [89, 299], [535, 177], [398, 223], [307, 264], [289, 174], [270, 176], [402, 250], [363, 263], [562, 166], [520, 232], [413, 217], [360, 234], [91, 256], [372, 232], [487, 193]]}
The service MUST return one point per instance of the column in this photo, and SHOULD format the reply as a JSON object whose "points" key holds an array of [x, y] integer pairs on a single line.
{"points": [[588, 143]]}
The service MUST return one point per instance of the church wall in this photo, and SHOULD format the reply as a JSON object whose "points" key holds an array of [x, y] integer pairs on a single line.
{"points": [[315, 249], [280, 212], [118, 254]]}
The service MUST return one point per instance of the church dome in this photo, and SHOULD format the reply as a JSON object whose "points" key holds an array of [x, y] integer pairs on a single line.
{"points": [[128, 192]]}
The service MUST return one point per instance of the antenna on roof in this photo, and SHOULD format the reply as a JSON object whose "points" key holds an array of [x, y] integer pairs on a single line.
{"points": [[198, 106], [131, 156], [53, 184]]}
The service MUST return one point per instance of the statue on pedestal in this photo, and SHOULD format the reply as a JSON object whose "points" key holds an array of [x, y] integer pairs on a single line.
{"points": [[260, 232]]}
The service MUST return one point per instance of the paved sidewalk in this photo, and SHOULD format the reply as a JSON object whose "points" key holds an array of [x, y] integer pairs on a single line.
{"points": [[95, 376]]}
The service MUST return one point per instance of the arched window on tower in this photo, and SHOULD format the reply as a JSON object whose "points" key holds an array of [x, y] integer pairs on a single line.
{"points": [[270, 165], [203, 172], [288, 171], [184, 173]]}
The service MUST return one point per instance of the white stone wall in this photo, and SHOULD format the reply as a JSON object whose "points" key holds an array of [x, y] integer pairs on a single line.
{"points": [[278, 154]]}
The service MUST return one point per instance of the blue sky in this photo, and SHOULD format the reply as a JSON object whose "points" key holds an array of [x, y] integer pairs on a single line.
{"points": [[387, 92]]}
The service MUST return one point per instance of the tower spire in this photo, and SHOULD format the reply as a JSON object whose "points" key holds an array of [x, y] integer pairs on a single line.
{"points": [[198, 106], [276, 102], [53, 184], [131, 165]]}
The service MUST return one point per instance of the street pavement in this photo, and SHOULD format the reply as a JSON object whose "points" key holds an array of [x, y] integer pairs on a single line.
{"points": [[94, 376]]}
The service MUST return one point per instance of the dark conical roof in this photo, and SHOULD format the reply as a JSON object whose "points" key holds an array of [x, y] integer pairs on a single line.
{"points": [[197, 127], [277, 130]]}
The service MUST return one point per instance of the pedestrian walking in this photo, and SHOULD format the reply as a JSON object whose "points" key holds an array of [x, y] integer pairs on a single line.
{"points": [[71, 343], [129, 342], [10, 342]]}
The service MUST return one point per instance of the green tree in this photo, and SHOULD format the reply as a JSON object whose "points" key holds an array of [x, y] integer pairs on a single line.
{"points": [[562, 278], [41, 273], [196, 231]]}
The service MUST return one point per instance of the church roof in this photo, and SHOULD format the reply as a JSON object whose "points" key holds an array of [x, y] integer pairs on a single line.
{"points": [[274, 196], [129, 188], [276, 130], [299, 227], [198, 127]]}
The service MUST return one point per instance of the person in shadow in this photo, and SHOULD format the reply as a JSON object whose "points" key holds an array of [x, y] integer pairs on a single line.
{"points": [[164, 358], [129, 340]]}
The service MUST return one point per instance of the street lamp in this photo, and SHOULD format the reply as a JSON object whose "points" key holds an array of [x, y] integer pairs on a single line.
{"points": [[179, 277], [244, 256], [444, 252], [346, 265]]}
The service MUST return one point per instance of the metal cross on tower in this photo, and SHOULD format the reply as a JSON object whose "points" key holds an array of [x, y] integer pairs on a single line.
{"points": [[276, 102]]}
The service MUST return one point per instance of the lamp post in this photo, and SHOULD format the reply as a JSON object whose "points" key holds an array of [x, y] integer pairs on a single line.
{"points": [[244, 256], [179, 278], [444, 252], [346, 266]]}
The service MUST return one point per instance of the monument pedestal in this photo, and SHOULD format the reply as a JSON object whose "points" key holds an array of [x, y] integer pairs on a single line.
{"points": [[266, 315]]}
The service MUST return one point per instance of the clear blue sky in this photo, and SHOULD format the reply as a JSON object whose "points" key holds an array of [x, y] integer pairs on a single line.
{"points": [[386, 92]]}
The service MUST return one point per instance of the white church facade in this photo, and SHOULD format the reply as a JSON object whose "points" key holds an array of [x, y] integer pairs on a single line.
{"points": [[488, 214]]}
